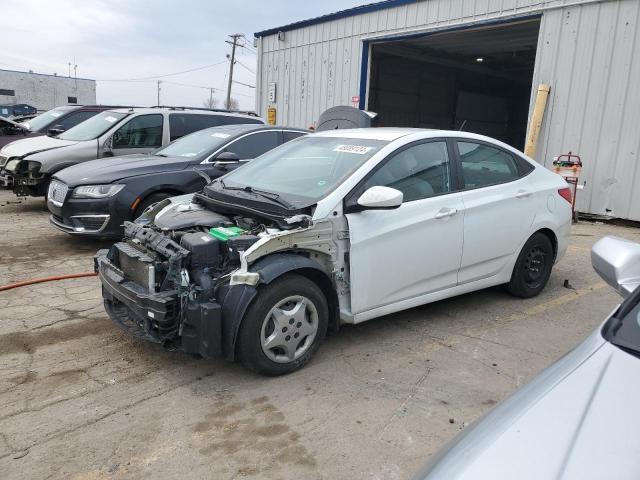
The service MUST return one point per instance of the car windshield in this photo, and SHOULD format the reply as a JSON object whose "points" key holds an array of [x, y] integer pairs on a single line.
{"points": [[196, 145], [305, 169], [45, 119], [623, 329], [93, 127]]}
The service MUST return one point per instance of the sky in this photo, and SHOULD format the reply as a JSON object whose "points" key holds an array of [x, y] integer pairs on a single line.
{"points": [[119, 42]]}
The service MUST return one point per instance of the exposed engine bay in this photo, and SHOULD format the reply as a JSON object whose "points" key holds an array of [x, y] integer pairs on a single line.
{"points": [[182, 263]]}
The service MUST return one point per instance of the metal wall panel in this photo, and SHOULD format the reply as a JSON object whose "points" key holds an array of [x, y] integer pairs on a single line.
{"points": [[585, 53]]}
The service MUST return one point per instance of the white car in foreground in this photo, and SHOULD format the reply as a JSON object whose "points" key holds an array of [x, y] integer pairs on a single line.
{"points": [[337, 227]]}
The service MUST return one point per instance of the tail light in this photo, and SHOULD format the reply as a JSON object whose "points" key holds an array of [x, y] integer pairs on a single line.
{"points": [[566, 194]]}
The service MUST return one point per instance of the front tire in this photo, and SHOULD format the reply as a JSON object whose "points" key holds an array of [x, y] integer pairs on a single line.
{"points": [[150, 200], [533, 267], [284, 326]]}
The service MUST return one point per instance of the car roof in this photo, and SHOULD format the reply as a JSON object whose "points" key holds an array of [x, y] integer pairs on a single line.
{"points": [[180, 110], [242, 128], [390, 134], [379, 133]]}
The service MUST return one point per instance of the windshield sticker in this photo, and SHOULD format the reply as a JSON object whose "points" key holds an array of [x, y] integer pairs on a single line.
{"points": [[322, 183], [220, 135], [359, 149], [189, 154], [110, 119], [55, 114]]}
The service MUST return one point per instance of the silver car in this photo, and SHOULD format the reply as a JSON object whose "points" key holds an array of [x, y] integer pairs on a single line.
{"points": [[30, 163], [579, 418]]}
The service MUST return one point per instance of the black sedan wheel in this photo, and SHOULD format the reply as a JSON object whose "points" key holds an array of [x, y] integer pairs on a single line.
{"points": [[533, 267]]}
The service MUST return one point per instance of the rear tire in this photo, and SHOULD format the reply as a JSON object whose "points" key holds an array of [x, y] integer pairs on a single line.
{"points": [[533, 267], [150, 200], [284, 326]]}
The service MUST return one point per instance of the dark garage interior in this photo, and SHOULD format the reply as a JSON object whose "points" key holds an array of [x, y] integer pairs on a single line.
{"points": [[477, 80]]}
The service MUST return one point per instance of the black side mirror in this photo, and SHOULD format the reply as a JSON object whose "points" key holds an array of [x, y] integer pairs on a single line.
{"points": [[227, 157], [55, 130]]}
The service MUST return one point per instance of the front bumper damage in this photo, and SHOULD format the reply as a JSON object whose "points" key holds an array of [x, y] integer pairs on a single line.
{"points": [[29, 183], [25, 178], [6, 179], [140, 298]]}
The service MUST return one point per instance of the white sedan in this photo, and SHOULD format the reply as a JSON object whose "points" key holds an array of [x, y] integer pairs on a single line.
{"points": [[338, 227]]}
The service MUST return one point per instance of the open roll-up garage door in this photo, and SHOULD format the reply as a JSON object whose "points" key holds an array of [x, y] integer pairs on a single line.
{"points": [[476, 79]]}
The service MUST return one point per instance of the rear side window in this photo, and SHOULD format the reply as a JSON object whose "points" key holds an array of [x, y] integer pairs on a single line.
{"points": [[231, 120], [144, 131], [483, 165], [74, 119], [288, 136], [254, 145], [181, 124]]}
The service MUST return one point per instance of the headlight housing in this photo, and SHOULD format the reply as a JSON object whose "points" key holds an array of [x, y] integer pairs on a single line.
{"points": [[12, 164], [96, 191]]}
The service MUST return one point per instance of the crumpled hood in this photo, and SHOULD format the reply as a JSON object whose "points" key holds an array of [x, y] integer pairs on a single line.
{"points": [[31, 145], [109, 170], [578, 419]]}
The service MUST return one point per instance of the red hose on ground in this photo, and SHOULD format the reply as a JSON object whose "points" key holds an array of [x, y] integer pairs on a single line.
{"points": [[46, 279]]}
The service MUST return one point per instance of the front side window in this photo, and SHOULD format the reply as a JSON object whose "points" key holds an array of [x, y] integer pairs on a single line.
{"points": [[623, 328], [94, 127], [74, 119], [420, 171], [254, 145], [45, 119], [483, 165], [143, 131]]}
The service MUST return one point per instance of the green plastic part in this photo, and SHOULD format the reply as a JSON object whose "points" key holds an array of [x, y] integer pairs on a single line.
{"points": [[225, 233]]}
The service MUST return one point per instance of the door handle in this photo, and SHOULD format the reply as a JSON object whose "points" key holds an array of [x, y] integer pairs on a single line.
{"points": [[446, 212], [523, 194]]}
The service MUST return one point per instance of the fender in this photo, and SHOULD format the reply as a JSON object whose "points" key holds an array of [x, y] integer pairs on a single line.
{"points": [[237, 298]]}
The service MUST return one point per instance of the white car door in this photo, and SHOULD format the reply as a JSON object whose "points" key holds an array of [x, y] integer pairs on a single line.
{"points": [[412, 250], [499, 207]]}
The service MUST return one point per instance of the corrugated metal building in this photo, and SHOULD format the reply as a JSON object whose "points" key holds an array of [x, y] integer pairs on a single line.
{"points": [[45, 91], [476, 64]]}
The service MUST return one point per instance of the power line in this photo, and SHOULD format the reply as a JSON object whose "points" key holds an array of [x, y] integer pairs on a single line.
{"points": [[153, 77], [243, 65], [247, 44], [204, 87], [244, 84]]}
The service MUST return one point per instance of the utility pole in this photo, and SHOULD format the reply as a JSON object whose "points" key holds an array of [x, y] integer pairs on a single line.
{"points": [[211, 98], [69, 68], [159, 82], [233, 44]]}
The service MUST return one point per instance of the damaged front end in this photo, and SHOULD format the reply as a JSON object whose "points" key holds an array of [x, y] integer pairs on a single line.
{"points": [[180, 275], [25, 177], [162, 290]]}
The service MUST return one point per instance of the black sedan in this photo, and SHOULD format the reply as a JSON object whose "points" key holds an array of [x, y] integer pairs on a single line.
{"points": [[96, 197]]}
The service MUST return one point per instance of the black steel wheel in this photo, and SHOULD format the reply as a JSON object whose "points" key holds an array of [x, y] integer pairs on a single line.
{"points": [[533, 267]]}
